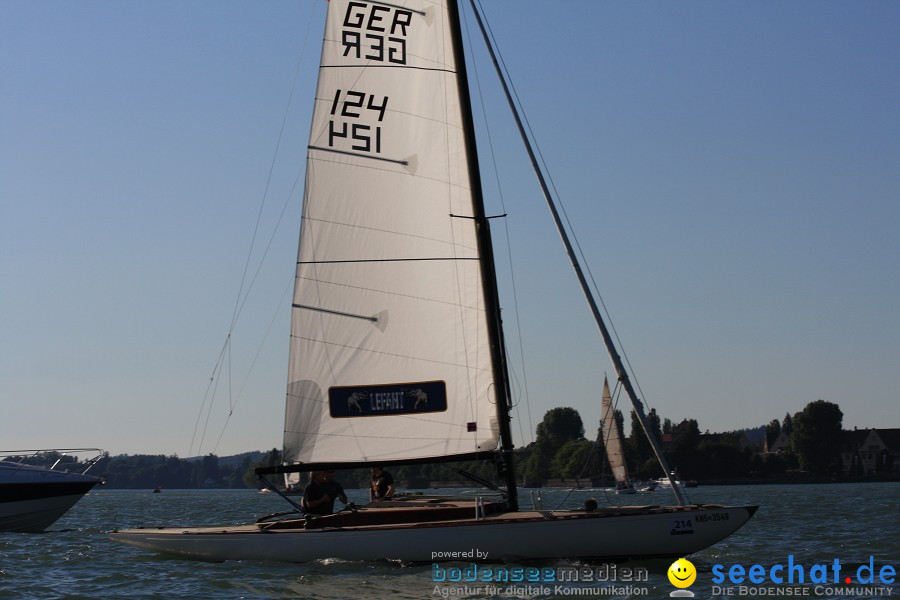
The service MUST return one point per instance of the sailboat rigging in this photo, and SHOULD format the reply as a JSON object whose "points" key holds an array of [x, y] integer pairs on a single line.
{"points": [[397, 349]]}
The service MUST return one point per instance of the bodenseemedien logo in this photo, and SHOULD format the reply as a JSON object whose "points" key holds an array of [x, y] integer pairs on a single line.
{"points": [[682, 574]]}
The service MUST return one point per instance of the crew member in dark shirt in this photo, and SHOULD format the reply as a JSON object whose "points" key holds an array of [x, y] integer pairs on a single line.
{"points": [[336, 490], [320, 492], [382, 484]]}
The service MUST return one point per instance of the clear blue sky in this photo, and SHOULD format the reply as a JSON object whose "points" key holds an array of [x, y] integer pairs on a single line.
{"points": [[732, 171]]}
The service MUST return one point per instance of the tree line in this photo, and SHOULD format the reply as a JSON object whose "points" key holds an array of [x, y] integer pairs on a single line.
{"points": [[145, 471], [560, 452], [813, 447]]}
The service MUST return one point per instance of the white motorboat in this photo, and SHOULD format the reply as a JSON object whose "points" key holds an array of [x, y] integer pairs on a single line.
{"points": [[33, 497]]}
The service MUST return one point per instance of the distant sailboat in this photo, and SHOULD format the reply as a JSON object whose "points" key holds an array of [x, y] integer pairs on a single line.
{"points": [[612, 440], [397, 352]]}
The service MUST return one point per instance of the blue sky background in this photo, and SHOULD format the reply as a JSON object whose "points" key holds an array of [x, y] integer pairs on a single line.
{"points": [[732, 171]]}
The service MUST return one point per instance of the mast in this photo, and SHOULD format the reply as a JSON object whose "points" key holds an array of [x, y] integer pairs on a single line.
{"points": [[488, 270], [621, 374]]}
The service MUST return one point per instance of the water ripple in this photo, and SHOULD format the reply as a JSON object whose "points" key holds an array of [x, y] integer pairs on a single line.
{"points": [[815, 524]]}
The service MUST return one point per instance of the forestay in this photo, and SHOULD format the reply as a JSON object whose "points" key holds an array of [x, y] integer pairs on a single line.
{"points": [[389, 356]]}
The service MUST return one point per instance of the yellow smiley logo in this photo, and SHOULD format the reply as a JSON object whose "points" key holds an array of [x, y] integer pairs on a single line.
{"points": [[682, 573]]}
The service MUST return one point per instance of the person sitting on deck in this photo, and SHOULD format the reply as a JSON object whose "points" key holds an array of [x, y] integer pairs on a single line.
{"points": [[336, 490], [320, 492], [382, 484]]}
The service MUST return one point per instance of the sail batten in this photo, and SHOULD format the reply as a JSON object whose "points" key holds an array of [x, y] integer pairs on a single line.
{"points": [[377, 260], [390, 356], [368, 156]]}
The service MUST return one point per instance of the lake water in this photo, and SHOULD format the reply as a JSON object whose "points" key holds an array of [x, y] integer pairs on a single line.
{"points": [[815, 524]]}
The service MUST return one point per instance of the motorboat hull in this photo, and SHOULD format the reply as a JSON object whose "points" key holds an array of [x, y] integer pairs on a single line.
{"points": [[33, 498], [43, 509]]}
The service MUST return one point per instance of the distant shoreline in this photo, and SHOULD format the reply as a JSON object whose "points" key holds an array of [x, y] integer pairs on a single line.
{"points": [[802, 479], [768, 481], [715, 483]]}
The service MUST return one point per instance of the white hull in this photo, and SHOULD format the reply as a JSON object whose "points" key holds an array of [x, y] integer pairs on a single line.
{"points": [[664, 484], [628, 532]]}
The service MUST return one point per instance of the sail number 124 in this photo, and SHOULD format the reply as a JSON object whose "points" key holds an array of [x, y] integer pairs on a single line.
{"points": [[349, 107]]}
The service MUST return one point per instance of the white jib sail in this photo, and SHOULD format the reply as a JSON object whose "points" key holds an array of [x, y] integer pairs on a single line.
{"points": [[612, 437], [389, 357]]}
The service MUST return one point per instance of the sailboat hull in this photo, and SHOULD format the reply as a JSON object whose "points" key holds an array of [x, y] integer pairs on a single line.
{"points": [[615, 533]]}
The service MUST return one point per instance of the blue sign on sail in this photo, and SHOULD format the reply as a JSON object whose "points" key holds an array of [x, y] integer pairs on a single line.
{"points": [[390, 399]]}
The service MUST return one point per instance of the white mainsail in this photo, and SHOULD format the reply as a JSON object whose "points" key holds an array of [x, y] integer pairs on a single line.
{"points": [[389, 356], [612, 437]]}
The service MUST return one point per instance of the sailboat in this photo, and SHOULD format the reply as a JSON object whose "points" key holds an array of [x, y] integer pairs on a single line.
{"points": [[397, 350], [612, 440]]}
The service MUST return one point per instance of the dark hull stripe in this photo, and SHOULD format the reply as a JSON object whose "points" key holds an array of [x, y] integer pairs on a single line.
{"points": [[19, 492]]}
